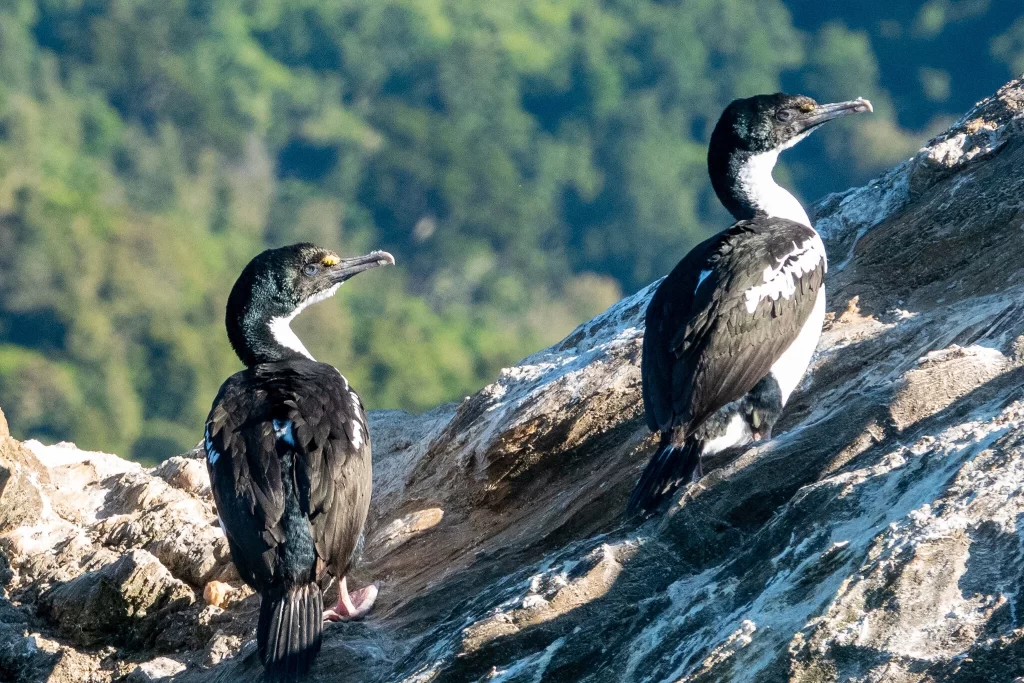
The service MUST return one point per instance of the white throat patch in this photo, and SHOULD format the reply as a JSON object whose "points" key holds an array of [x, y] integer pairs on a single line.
{"points": [[756, 182], [281, 327]]}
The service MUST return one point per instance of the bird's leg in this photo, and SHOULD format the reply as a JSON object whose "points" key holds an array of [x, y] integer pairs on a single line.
{"points": [[353, 605], [764, 406]]}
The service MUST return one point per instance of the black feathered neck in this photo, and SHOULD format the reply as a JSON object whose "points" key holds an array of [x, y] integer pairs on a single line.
{"points": [[724, 165], [267, 296], [275, 287], [254, 306], [744, 147]]}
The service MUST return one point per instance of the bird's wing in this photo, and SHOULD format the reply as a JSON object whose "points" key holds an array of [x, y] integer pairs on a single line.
{"points": [[724, 316], [668, 310], [333, 467], [328, 439], [246, 484]]}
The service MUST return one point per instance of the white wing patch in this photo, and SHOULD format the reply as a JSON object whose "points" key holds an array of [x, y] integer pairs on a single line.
{"points": [[701, 278], [211, 454], [781, 280], [283, 431], [357, 429]]}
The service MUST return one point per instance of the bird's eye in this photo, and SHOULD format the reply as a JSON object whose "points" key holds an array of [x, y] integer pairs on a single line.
{"points": [[311, 270], [784, 115]]}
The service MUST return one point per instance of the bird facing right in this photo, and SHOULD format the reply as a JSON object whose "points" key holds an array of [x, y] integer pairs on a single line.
{"points": [[731, 330], [288, 452]]}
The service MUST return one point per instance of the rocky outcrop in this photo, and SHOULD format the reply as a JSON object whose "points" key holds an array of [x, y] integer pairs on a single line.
{"points": [[874, 539]]}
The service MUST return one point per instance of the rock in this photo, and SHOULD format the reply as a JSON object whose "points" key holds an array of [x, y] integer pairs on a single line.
{"points": [[71, 666], [221, 646], [216, 593], [941, 378], [159, 669], [16, 646], [122, 602], [401, 530], [187, 474], [20, 497], [875, 538], [179, 529]]}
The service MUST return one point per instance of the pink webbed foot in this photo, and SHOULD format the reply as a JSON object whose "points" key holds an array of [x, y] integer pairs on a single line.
{"points": [[353, 605]]}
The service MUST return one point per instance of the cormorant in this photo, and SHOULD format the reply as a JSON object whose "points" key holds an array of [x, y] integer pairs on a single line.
{"points": [[288, 451], [731, 330]]}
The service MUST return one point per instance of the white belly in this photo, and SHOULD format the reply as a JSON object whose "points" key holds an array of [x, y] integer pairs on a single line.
{"points": [[789, 369]]}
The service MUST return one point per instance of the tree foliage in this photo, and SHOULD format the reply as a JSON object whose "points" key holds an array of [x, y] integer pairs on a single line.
{"points": [[526, 161]]}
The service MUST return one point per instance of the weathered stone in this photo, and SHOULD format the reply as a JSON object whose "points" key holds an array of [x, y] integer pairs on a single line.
{"points": [[179, 529], [16, 647], [121, 602], [20, 497], [159, 669], [875, 538], [401, 530], [187, 474], [221, 646]]}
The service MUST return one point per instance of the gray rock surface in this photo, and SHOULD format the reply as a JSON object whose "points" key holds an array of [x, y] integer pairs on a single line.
{"points": [[121, 602], [874, 539], [159, 669]]}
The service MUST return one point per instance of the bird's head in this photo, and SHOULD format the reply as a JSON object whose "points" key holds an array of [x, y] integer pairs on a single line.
{"points": [[766, 123], [746, 143], [277, 285]]}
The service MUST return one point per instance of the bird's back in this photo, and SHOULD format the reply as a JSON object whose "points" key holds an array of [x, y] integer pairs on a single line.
{"points": [[724, 314], [289, 428]]}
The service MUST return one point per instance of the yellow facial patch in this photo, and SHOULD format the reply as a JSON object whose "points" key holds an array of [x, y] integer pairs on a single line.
{"points": [[807, 107], [330, 260]]}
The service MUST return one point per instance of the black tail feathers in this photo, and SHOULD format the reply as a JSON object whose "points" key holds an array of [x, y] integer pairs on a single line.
{"points": [[671, 467], [289, 632]]}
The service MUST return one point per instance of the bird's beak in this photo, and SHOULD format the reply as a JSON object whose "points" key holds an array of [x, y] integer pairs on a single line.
{"points": [[826, 112], [347, 267]]}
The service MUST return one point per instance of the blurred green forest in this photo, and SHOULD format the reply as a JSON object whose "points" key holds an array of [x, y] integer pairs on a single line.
{"points": [[527, 161]]}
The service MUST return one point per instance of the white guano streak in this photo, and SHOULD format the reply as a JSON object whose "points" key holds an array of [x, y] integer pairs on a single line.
{"points": [[781, 280]]}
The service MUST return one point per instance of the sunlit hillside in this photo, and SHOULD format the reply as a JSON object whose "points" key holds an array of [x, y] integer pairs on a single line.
{"points": [[527, 162]]}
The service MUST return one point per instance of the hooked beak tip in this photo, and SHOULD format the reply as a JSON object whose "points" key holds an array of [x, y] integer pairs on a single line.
{"points": [[864, 105], [828, 112], [347, 268]]}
